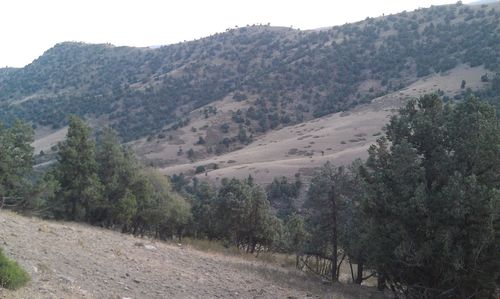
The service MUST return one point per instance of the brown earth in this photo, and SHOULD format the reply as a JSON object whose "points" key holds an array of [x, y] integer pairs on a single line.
{"points": [[68, 260]]}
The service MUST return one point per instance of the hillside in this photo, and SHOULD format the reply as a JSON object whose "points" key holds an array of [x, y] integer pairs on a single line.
{"points": [[213, 101], [68, 260], [340, 137]]}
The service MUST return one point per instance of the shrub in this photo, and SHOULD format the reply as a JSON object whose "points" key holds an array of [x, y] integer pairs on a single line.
{"points": [[12, 276], [200, 169]]}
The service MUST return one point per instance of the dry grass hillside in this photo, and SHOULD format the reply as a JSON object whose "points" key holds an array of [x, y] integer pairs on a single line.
{"points": [[340, 137], [67, 260]]}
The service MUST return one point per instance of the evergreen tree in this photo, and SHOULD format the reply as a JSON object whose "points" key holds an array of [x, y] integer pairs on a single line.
{"points": [[433, 200], [243, 215], [329, 190], [16, 164], [80, 192], [295, 236], [203, 211], [117, 169]]}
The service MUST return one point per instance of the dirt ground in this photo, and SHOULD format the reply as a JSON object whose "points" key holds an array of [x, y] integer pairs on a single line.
{"points": [[68, 260]]}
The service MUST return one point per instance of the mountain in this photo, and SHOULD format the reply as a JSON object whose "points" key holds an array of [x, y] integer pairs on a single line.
{"points": [[204, 101]]}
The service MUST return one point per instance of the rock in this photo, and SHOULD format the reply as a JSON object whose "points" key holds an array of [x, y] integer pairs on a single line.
{"points": [[66, 279], [149, 247]]}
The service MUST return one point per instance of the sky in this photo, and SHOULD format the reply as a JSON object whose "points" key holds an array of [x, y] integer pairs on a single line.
{"points": [[30, 27]]}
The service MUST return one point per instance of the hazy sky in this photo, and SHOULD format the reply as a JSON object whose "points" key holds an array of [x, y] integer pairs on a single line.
{"points": [[29, 27]]}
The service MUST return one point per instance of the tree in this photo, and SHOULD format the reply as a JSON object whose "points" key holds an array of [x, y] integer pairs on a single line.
{"points": [[117, 169], [159, 209], [354, 237], [243, 215], [281, 194], [295, 236], [433, 200], [326, 197], [16, 164], [203, 211], [80, 191]]}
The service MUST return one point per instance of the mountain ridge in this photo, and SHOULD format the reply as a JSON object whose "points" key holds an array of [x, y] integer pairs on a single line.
{"points": [[272, 77]]}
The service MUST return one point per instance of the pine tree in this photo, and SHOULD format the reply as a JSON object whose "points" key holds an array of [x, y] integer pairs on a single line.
{"points": [[80, 191]]}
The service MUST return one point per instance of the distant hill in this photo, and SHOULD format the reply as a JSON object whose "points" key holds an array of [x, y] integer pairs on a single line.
{"points": [[481, 2], [249, 81]]}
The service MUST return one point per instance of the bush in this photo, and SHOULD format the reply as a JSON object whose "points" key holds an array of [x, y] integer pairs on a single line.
{"points": [[200, 169], [12, 276]]}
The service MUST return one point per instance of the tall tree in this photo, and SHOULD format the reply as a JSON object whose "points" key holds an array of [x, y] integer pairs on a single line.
{"points": [[434, 200], [243, 215], [117, 169], [80, 190], [326, 198], [16, 163]]}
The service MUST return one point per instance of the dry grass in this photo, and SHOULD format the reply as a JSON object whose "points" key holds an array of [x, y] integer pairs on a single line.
{"points": [[340, 137]]}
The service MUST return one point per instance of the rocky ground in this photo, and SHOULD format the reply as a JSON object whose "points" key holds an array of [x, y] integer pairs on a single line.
{"points": [[68, 260]]}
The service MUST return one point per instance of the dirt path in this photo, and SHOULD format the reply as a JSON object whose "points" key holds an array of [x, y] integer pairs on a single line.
{"points": [[68, 260]]}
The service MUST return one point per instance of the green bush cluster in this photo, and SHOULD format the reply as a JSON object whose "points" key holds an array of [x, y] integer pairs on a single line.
{"points": [[12, 276]]}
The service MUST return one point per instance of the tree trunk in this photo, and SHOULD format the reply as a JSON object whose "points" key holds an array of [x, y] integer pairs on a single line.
{"points": [[380, 282], [352, 272], [359, 275], [334, 234]]}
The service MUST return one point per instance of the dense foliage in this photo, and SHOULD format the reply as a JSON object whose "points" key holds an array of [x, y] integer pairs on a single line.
{"points": [[287, 75], [423, 213], [16, 163], [105, 185], [433, 200]]}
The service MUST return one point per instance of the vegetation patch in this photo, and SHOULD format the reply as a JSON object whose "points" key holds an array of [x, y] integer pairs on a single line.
{"points": [[12, 276]]}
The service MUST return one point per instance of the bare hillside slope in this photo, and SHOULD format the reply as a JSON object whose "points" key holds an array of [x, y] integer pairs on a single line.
{"points": [[68, 260]]}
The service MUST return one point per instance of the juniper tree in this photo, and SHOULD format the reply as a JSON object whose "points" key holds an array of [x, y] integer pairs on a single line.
{"points": [[434, 199]]}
